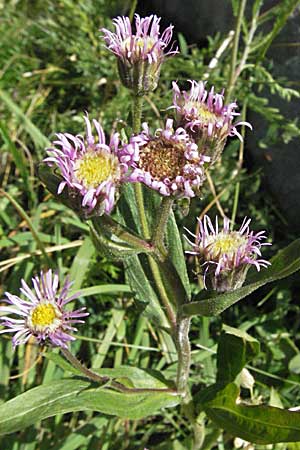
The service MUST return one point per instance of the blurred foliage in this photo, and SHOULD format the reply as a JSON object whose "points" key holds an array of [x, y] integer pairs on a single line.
{"points": [[54, 66]]}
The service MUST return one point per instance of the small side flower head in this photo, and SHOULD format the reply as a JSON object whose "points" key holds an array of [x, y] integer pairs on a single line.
{"points": [[205, 116], [42, 314], [167, 161], [225, 256], [91, 169], [140, 52]]}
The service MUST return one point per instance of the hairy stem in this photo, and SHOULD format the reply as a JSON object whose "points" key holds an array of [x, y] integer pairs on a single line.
{"points": [[87, 372], [106, 380], [163, 295], [163, 215], [137, 107], [184, 354]]}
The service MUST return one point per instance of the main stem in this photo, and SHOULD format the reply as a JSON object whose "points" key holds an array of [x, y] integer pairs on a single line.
{"points": [[184, 354], [137, 105]]}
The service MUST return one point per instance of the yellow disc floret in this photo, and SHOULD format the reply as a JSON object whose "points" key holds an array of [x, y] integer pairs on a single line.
{"points": [[140, 43], [203, 113], [225, 243], [95, 167], [45, 316]]}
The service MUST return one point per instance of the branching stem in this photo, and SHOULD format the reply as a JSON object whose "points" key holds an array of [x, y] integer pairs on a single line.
{"points": [[107, 381]]}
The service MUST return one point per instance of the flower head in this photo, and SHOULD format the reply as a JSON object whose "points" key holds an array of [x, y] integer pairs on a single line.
{"points": [[206, 117], [140, 52], [91, 170], [167, 161], [42, 314], [225, 256]]}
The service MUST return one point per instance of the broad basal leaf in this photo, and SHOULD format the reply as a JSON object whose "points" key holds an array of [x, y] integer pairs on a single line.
{"points": [[258, 424], [75, 394]]}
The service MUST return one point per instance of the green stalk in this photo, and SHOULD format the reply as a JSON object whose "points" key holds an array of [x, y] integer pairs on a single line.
{"points": [[137, 104], [132, 9], [184, 354], [163, 215], [163, 295], [84, 370], [107, 381]]}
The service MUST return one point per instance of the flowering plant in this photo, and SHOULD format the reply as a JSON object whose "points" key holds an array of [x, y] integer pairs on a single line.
{"points": [[128, 192]]}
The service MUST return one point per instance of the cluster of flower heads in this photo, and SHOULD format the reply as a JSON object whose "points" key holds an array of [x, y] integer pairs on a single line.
{"points": [[173, 159], [141, 51], [206, 117], [43, 313], [224, 255], [91, 169]]}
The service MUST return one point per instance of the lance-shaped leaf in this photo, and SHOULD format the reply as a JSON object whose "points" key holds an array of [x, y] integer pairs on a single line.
{"points": [[115, 240], [260, 424], [286, 262], [235, 349], [75, 394], [140, 280]]}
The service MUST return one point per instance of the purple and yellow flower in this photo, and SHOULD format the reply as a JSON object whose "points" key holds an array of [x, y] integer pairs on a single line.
{"points": [[90, 168], [42, 313], [141, 51], [225, 256], [206, 117], [168, 161]]}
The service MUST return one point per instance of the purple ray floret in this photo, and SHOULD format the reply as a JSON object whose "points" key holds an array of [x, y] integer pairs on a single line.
{"points": [[89, 167], [200, 109], [145, 42], [42, 314]]}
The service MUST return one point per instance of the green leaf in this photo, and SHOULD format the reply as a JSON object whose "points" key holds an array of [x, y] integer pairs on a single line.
{"points": [[74, 394], [139, 278], [294, 364], [236, 348], [286, 262], [259, 424], [115, 240]]}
